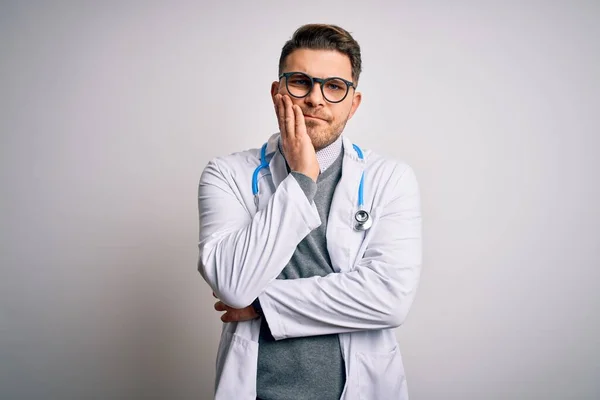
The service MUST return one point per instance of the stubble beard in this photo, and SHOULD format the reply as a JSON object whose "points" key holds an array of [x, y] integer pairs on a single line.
{"points": [[322, 136]]}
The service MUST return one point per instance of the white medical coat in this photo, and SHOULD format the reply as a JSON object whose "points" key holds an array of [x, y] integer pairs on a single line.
{"points": [[242, 251]]}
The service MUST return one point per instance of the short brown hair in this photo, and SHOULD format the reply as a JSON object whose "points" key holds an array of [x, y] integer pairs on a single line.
{"points": [[324, 37]]}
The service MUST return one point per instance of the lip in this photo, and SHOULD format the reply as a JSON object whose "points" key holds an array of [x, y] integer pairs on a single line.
{"points": [[310, 116]]}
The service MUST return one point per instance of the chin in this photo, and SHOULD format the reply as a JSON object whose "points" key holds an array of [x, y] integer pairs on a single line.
{"points": [[321, 139]]}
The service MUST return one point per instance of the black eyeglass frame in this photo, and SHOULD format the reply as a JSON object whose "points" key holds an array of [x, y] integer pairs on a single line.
{"points": [[321, 81]]}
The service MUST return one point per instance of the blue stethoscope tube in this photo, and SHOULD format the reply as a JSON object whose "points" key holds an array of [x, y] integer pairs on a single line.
{"points": [[263, 164], [362, 218]]}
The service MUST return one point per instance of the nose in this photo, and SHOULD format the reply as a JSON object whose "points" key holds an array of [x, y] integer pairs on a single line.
{"points": [[315, 96]]}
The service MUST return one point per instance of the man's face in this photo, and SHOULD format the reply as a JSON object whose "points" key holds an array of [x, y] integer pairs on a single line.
{"points": [[325, 121]]}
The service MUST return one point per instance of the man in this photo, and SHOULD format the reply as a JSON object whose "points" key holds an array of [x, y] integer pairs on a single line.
{"points": [[311, 244]]}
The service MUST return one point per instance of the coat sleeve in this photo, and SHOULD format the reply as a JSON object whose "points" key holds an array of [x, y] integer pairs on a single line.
{"points": [[239, 254], [376, 294]]}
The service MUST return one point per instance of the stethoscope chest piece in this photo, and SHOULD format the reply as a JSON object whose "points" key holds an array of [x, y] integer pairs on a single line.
{"points": [[362, 220]]}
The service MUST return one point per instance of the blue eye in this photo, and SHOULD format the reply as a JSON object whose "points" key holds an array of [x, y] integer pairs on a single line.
{"points": [[336, 85], [304, 82]]}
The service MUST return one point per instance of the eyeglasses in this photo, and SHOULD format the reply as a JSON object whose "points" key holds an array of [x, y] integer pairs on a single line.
{"points": [[299, 85]]}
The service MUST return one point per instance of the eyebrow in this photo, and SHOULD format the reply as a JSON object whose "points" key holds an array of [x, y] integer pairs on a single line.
{"points": [[315, 76]]}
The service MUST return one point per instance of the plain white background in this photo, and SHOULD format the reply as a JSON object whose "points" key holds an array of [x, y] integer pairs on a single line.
{"points": [[110, 110]]}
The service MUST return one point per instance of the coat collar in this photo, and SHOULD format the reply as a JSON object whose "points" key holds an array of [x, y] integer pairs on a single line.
{"points": [[352, 164]]}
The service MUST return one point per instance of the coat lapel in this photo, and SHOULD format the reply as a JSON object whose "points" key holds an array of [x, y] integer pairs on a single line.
{"points": [[277, 165], [341, 236]]}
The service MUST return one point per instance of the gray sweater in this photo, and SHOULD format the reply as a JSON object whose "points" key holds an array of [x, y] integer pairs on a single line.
{"points": [[307, 367]]}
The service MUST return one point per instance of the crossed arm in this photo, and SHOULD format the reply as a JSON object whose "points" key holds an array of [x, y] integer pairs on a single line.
{"points": [[241, 260]]}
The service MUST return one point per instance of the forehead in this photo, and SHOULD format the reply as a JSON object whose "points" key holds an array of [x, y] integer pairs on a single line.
{"points": [[319, 63]]}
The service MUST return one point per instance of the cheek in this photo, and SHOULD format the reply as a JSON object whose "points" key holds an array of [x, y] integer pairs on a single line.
{"points": [[280, 90], [339, 115], [343, 109], [283, 90]]}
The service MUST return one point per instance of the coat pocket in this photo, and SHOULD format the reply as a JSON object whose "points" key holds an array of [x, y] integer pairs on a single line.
{"points": [[236, 368], [381, 376]]}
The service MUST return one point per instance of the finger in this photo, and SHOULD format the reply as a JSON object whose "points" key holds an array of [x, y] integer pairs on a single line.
{"points": [[290, 119], [300, 125], [230, 316], [235, 316], [220, 306]]}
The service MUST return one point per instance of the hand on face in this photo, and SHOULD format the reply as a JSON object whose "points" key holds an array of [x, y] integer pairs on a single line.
{"points": [[297, 145]]}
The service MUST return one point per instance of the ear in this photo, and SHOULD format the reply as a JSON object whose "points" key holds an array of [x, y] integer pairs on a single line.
{"points": [[274, 89], [356, 99]]}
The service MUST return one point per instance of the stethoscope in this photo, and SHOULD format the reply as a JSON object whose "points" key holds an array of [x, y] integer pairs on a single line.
{"points": [[362, 218]]}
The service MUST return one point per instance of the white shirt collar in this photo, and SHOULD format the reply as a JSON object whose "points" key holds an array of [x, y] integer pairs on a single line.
{"points": [[329, 154]]}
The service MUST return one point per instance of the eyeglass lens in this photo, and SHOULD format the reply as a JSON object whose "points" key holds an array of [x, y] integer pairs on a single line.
{"points": [[334, 89]]}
